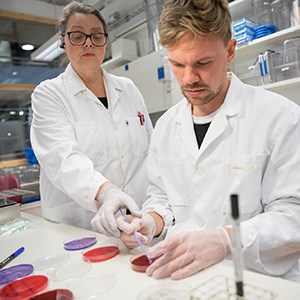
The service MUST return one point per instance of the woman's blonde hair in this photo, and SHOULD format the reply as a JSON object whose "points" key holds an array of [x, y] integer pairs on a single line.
{"points": [[200, 17]]}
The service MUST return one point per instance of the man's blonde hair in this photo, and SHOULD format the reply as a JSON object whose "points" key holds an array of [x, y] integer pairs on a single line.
{"points": [[200, 17]]}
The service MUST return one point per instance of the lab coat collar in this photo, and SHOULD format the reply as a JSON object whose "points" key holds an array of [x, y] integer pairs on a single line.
{"points": [[232, 102], [112, 86], [75, 83], [186, 130]]}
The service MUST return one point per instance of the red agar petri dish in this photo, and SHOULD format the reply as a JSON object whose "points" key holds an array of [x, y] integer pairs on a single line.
{"points": [[61, 294], [140, 263], [23, 289], [101, 253]]}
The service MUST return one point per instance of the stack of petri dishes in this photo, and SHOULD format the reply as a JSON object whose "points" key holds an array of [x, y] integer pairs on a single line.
{"points": [[264, 30]]}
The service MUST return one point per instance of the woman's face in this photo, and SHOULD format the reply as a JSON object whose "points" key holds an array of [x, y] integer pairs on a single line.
{"points": [[86, 56]]}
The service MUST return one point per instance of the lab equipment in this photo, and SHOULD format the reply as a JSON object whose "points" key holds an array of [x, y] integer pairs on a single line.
{"points": [[61, 294], [262, 11], [92, 286], [140, 263], [222, 287], [79, 243], [281, 10], [10, 274], [137, 239], [243, 30], [24, 288], [69, 271], [100, 254], [51, 261]]}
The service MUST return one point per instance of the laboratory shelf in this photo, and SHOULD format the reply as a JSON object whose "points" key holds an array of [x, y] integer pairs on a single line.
{"points": [[247, 53], [277, 86], [272, 41]]}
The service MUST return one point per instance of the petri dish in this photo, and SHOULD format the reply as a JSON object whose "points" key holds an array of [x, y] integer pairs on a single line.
{"points": [[79, 243], [140, 263], [166, 291], [59, 294], [50, 261], [24, 288], [70, 271], [100, 254], [90, 287], [12, 273]]}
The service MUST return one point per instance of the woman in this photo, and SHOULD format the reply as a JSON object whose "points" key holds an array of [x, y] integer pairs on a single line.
{"points": [[90, 131]]}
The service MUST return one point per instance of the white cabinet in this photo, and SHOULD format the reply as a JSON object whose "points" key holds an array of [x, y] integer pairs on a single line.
{"points": [[289, 88], [159, 93]]}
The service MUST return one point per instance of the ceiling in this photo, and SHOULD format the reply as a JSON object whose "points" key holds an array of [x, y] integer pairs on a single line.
{"points": [[17, 29]]}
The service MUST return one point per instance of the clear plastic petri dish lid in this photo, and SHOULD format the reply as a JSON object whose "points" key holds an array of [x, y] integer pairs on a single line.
{"points": [[100, 254], [91, 287], [166, 291], [79, 242], [69, 271], [51, 261]]}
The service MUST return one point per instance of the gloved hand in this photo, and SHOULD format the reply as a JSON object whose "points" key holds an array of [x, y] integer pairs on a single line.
{"points": [[144, 227], [111, 199], [187, 253]]}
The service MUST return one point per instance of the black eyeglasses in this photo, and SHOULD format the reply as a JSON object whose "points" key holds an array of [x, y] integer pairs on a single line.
{"points": [[78, 38]]}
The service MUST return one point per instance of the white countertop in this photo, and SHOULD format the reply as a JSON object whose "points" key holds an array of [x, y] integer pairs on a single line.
{"points": [[42, 238]]}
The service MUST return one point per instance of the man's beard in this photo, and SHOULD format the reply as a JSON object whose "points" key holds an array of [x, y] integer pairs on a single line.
{"points": [[202, 99]]}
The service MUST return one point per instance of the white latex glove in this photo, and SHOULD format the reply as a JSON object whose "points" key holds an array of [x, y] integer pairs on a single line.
{"points": [[144, 227], [187, 253], [111, 199]]}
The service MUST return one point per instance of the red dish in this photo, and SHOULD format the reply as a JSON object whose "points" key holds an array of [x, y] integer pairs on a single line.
{"points": [[61, 294], [140, 263], [23, 289], [101, 254]]}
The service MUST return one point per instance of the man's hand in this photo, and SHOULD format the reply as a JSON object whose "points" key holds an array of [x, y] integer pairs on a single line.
{"points": [[188, 253]]}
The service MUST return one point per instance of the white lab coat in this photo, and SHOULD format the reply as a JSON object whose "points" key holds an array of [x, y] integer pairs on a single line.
{"points": [[80, 144], [252, 149]]}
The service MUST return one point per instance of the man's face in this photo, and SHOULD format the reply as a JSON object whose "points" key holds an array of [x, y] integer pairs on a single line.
{"points": [[200, 66]]}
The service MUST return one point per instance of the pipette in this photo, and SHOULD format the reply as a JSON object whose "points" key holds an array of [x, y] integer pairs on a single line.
{"points": [[137, 239]]}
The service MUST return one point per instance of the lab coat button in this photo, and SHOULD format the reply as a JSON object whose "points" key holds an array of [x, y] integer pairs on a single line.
{"points": [[200, 172]]}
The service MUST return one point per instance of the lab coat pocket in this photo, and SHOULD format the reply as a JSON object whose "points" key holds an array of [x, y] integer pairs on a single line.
{"points": [[173, 179], [91, 140], [243, 176], [138, 136]]}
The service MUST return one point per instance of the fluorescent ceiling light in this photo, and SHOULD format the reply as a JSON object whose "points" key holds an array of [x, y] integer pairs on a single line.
{"points": [[49, 50], [27, 47]]}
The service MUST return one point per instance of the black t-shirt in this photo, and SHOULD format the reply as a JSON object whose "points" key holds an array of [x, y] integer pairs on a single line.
{"points": [[200, 131], [104, 101]]}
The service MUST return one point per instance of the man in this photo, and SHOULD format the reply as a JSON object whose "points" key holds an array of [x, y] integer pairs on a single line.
{"points": [[223, 138]]}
